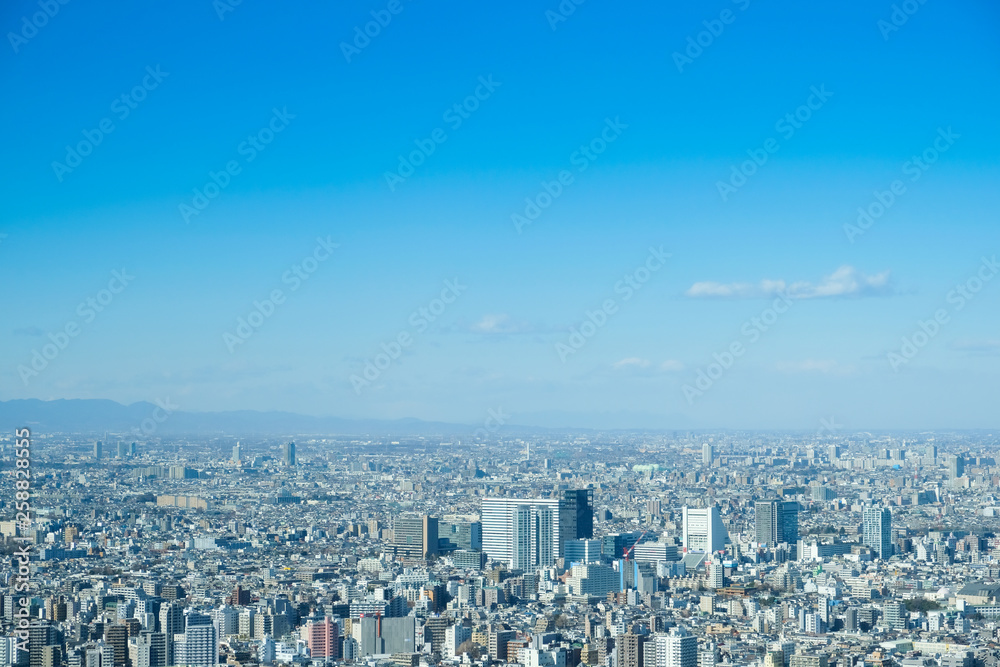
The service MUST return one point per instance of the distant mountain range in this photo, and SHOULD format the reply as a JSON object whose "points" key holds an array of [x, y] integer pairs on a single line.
{"points": [[95, 416]]}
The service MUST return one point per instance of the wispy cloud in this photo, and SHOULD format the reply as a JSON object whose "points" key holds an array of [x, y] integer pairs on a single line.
{"points": [[847, 282], [500, 324], [639, 364]]}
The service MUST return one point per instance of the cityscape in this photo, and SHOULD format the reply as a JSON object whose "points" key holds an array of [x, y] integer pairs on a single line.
{"points": [[676, 550], [536, 333]]}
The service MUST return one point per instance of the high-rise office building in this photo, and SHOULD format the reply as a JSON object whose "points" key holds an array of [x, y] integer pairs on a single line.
{"points": [[707, 454], [534, 528], [288, 453], [415, 536], [497, 517], [576, 516], [776, 522], [956, 467], [453, 535], [877, 530], [703, 530], [98, 449], [237, 453]]}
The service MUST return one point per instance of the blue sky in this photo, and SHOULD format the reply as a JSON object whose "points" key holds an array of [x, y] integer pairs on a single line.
{"points": [[335, 126]]}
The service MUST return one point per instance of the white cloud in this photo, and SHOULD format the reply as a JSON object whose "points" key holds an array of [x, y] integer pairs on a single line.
{"points": [[499, 324], [846, 281], [631, 362]]}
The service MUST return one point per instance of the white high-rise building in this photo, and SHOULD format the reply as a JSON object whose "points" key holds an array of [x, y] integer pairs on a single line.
{"points": [[198, 645], [716, 575], [703, 530], [707, 454], [532, 537], [877, 530], [677, 649], [454, 636], [510, 531]]}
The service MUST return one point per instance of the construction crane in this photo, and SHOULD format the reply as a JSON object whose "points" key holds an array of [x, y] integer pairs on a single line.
{"points": [[629, 550]]}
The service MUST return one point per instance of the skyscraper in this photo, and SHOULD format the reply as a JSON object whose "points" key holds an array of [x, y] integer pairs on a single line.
{"points": [[98, 450], [703, 530], [415, 536], [532, 536], [576, 516], [288, 453], [775, 522], [707, 454], [237, 453], [498, 516], [956, 467], [877, 530]]}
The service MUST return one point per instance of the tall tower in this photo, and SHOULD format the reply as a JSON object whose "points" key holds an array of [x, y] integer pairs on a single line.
{"points": [[775, 522], [289, 454], [707, 454], [877, 530]]}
